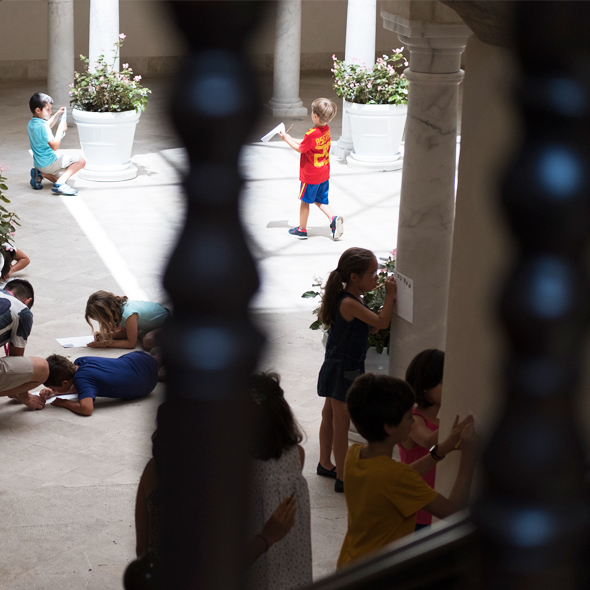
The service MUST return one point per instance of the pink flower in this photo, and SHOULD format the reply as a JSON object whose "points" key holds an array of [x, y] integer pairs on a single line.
{"points": [[101, 79], [91, 88], [333, 56], [378, 87], [105, 85], [122, 35], [71, 85], [125, 66], [137, 78]]}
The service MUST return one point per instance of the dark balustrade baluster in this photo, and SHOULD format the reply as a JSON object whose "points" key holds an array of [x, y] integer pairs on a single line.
{"points": [[210, 347], [534, 514]]}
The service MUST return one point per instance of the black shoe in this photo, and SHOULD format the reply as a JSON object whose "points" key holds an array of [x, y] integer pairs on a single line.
{"points": [[326, 472], [339, 486]]}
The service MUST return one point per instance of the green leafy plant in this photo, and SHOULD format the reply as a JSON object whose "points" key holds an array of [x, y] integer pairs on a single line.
{"points": [[382, 83], [105, 90], [374, 300], [8, 219]]}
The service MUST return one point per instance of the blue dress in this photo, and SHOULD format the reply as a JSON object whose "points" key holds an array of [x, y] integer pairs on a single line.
{"points": [[346, 350]]}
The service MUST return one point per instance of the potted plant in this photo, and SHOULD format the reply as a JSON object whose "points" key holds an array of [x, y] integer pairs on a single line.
{"points": [[373, 300], [8, 219], [375, 101], [107, 106]]}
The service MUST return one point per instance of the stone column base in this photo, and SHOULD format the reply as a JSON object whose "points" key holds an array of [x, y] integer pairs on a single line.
{"points": [[342, 149], [292, 108]]}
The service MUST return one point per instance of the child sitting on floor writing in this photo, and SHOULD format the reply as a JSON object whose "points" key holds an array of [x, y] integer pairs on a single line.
{"points": [[57, 168], [132, 376], [383, 495], [122, 322]]}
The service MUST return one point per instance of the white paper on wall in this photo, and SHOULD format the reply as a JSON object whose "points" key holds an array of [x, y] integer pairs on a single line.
{"points": [[404, 305]]}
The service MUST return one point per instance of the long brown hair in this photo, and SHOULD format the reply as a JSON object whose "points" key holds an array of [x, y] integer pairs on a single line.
{"points": [[105, 308], [353, 261], [275, 427]]}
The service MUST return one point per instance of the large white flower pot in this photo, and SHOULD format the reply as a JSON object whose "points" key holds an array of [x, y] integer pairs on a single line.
{"points": [[377, 131], [106, 140]]}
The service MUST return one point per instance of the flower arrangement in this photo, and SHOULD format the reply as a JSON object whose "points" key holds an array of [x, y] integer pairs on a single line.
{"points": [[383, 83], [8, 219], [374, 300], [106, 90]]}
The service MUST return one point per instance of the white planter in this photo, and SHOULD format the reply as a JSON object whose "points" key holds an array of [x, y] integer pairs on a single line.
{"points": [[377, 131], [107, 140]]}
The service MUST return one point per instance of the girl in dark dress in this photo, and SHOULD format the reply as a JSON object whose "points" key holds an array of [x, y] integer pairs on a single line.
{"points": [[350, 321]]}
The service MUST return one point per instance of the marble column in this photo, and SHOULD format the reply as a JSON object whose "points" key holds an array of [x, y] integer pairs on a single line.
{"points": [[104, 30], [60, 51], [361, 25], [285, 101], [427, 206]]}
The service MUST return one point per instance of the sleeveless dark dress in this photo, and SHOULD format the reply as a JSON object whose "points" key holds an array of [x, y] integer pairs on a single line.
{"points": [[346, 350]]}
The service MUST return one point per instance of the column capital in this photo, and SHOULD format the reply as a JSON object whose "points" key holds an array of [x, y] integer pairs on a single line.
{"points": [[435, 48]]}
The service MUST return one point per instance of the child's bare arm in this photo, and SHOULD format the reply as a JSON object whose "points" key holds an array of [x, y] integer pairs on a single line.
{"points": [[21, 261], [84, 407], [291, 141], [350, 308], [123, 337], [52, 120], [422, 435]]}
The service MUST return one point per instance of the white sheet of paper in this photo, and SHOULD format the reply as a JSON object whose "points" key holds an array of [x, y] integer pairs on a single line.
{"points": [[75, 341], [279, 127], [37, 390], [404, 305]]}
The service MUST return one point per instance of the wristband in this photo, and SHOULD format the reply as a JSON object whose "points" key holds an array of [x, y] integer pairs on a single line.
{"points": [[434, 454]]}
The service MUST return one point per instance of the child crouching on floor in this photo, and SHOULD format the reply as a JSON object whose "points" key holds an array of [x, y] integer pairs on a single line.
{"points": [[383, 495], [131, 376]]}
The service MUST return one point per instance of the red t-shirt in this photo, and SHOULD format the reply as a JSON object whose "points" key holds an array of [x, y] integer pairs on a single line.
{"points": [[315, 156]]}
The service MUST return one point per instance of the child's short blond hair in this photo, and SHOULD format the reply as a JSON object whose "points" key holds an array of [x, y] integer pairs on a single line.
{"points": [[325, 109]]}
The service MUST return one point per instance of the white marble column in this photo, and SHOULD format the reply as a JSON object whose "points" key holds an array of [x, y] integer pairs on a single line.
{"points": [[60, 51], [427, 206], [287, 60], [361, 25], [104, 30]]}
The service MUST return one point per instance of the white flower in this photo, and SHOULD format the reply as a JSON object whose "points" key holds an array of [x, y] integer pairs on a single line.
{"points": [[122, 35]]}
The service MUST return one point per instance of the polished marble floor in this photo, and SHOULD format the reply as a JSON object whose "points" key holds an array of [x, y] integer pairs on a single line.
{"points": [[67, 483]]}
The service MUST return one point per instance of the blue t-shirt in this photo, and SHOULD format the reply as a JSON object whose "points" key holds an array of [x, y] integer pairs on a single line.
{"points": [[149, 315], [131, 376], [40, 135]]}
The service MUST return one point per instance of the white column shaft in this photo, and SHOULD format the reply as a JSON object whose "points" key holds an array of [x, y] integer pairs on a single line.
{"points": [[104, 30], [60, 51], [287, 61], [427, 205], [361, 30]]}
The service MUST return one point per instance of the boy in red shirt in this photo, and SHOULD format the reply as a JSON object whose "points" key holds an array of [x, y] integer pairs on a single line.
{"points": [[314, 172]]}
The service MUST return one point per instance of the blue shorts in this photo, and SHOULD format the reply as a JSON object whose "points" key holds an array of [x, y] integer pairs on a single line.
{"points": [[314, 193]]}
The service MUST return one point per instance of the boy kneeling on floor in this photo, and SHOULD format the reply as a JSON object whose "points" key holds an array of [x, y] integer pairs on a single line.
{"points": [[131, 376], [383, 495]]}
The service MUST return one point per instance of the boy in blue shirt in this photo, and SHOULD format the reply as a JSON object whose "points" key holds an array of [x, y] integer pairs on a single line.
{"points": [[54, 167], [131, 376]]}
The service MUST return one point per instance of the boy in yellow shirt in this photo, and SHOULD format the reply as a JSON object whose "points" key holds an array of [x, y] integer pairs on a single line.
{"points": [[384, 495]]}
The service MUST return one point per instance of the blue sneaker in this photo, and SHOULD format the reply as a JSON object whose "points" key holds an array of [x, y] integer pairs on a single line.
{"points": [[337, 227], [36, 179], [299, 233], [64, 189]]}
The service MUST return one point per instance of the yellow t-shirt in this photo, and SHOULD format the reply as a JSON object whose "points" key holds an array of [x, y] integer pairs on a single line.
{"points": [[383, 497]]}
